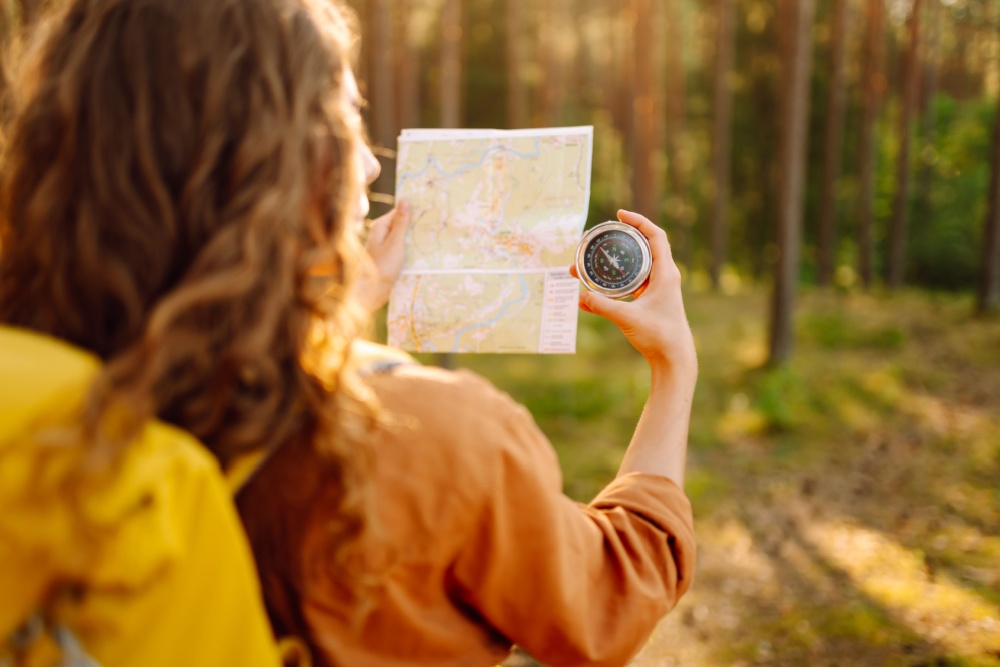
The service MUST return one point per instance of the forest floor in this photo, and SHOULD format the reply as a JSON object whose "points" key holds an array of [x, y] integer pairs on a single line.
{"points": [[847, 507]]}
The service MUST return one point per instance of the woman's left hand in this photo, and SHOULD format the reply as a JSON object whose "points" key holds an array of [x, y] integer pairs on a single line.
{"points": [[386, 251]]}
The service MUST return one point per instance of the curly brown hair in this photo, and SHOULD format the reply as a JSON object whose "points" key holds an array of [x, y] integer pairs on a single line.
{"points": [[176, 174]]}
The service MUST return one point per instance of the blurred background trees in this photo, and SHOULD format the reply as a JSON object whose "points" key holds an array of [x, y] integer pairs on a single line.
{"points": [[687, 98]]}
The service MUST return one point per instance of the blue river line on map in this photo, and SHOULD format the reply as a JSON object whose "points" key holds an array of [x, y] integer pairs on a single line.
{"points": [[432, 161], [481, 325]]}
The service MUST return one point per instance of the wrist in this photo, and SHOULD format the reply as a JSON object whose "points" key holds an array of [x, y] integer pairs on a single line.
{"points": [[673, 373]]}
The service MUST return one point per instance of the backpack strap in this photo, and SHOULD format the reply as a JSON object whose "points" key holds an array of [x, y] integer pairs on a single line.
{"points": [[38, 638]]}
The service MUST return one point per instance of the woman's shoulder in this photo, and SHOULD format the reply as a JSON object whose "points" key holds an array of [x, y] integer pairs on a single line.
{"points": [[458, 404], [455, 430]]}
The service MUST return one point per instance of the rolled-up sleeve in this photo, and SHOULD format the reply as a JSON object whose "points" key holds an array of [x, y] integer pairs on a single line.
{"points": [[572, 584]]}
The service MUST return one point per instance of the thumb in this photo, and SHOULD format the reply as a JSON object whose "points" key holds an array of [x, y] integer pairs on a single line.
{"points": [[401, 220], [601, 305]]}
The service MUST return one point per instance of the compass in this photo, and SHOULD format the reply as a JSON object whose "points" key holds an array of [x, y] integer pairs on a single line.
{"points": [[613, 259]]}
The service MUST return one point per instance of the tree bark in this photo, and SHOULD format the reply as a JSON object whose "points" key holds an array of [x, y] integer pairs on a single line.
{"points": [[646, 112], [678, 207], [898, 233], [622, 72], [29, 11], [833, 138], [722, 120], [873, 83], [408, 67], [382, 95], [517, 92], [928, 115], [797, 17], [553, 89], [451, 64], [989, 285], [6, 22]]}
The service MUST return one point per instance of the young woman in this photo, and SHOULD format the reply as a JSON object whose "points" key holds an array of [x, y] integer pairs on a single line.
{"points": [[181, 196]]}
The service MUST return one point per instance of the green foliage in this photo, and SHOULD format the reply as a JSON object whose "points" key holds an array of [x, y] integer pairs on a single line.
{"points": [[946, 237], [950, 166], [777, 393], [836, 329]]}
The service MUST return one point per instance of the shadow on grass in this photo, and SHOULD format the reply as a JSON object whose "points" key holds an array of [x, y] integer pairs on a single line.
{"points": [[847, 505]]}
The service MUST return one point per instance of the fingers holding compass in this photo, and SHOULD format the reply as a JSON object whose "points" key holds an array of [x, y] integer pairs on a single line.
{"points": [[654, 322], [658, 242], [664, 268]]}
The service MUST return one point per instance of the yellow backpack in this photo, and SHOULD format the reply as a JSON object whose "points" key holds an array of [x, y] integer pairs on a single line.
{"points": [[150, 569]]}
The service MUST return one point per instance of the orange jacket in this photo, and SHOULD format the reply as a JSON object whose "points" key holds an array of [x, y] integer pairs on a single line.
{"points": [[486, 550]]}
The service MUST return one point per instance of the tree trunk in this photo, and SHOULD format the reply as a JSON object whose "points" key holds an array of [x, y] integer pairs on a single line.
{"points": [[647, 117], [451, 64], [517, 92], [989, 286], [873, 83], [833, 136], [408, 67], [29, 11], [797, 19], [896, 268], [553, 90], [928, 115], [722, 119], [382, 96], [6, 22], [678, 207], [622, 72]]}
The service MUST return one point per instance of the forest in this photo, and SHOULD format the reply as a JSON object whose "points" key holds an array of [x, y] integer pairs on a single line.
{"points": [[840, 143], [828, 173]]}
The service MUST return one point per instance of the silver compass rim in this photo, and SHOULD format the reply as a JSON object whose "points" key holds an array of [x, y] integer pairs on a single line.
{"points": [[637, 282]]}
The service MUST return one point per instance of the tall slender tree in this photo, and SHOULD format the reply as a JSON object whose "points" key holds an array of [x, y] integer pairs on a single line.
{"points": [[833, 139], [555, 16], [678, 208], [407, 67], [931, 62], [451, 63], [621, 71], [6, 21], [647, 117], [30, 10], [517, 91], [899, 231], [722, 120], [796, 17], [873, 84], [989, 284], [382, 93]]}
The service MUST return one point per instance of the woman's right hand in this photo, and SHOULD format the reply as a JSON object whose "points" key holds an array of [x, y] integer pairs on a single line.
{"points": [[654, 322]]}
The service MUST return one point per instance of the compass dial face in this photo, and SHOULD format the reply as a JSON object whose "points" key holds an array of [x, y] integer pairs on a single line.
{"points": [[614, 259]]}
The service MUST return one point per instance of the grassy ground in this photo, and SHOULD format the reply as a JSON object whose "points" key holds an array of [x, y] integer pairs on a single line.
{"points": [[847, 507]]}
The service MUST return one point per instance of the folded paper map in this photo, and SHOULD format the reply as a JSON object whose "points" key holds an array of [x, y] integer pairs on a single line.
{"points": [[496, 219]]}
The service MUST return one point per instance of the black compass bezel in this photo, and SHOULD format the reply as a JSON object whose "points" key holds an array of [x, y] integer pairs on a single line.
{"points": [[593, 235]]}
